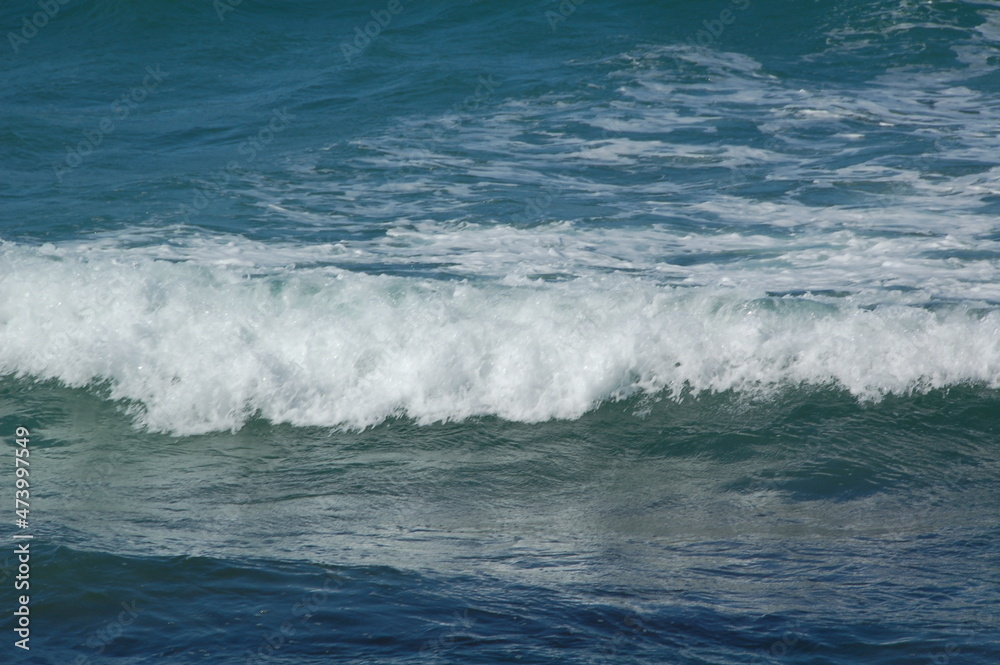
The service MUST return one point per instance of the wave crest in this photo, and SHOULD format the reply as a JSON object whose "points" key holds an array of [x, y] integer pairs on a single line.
{"points": [[199, 348]]}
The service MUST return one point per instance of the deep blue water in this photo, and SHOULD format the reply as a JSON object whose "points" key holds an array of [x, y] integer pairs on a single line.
{"points": [[474, 333]]}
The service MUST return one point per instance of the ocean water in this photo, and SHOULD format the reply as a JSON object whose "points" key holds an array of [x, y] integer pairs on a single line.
{"points": [[519, 332]]}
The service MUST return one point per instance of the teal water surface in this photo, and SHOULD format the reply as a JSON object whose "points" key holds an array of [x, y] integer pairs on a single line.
{"points": [[525, 332]]}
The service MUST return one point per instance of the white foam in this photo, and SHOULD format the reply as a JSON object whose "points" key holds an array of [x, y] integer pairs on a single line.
{"points": [[799, 249], [544, 315], [535, 145], [199, 347]]}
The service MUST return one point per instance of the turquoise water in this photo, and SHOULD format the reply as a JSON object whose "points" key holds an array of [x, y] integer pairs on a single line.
{"points": [[470, 332]]}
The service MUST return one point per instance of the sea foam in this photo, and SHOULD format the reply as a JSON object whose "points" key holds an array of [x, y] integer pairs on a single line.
{"points": [[195, 348]]}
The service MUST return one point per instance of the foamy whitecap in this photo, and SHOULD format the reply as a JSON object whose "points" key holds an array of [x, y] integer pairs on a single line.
{"points": [[196, 348]]}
